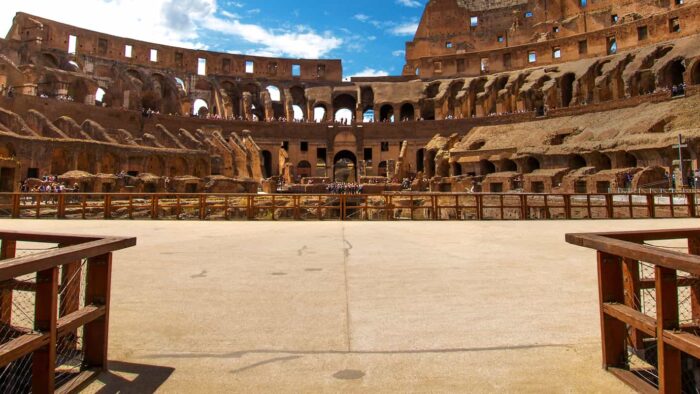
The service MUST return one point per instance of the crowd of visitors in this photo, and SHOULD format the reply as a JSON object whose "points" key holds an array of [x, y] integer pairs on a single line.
{"points": [[344, 188]]}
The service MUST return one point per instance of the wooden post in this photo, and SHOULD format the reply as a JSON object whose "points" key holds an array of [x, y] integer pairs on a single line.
{"points": [[651, 206], [613, 331], [631, 201], [609, 207], [46, 304], [669, 358], [203, 207], [630, 274], [61, 211], [107, 206], [70, 294], [690, 199], [694, 248], [97, 292], [479, 207], [15, 205], [567, 206], [8, 250]]}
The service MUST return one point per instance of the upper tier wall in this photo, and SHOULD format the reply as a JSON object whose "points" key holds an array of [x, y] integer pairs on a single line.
{"points": [[52, 35], [503, 40]]}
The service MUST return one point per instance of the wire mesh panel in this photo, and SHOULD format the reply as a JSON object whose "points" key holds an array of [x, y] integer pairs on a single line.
{"points": [[71, 298]]}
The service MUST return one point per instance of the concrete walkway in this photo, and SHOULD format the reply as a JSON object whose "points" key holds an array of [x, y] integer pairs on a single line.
{"points": [[355, 307]]}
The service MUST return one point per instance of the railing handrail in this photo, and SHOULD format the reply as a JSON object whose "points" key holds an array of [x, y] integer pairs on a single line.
{"points": [[15, 267], [619, 244], [386, 193]]}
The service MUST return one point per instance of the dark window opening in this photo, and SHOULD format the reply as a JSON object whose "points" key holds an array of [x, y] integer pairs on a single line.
{"points": [[304, 146], [642, 33], [368, 154], [583, 47], [385, 146]]}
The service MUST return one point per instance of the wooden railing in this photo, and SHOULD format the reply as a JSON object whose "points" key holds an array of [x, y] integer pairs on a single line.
{"points": [[54, 309], [649, 321], [391, 206]]}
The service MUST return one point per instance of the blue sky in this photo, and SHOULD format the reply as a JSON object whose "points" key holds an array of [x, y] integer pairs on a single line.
{"points": [[369, 36]]}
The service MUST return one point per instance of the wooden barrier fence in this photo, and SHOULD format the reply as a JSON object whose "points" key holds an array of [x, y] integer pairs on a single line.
{"points": [[389, 206], [54, 309], [649, 307]]}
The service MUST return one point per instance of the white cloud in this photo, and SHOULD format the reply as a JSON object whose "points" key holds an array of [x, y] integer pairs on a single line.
{"points": [[409, 3], [368, 72], [181, 23], [404, 29], [398, 53]]}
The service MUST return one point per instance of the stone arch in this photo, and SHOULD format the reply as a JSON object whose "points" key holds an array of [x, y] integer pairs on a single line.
{"points": [[673, 73], [298, 99], [201, 168], [320, 112], [203, 84], [178, 167], [508, 165], [275, 93], [109, 164], [79, 91], [695, 73], [386, 113], [200, 107], [345, 167], [452, 102], [408, 112], [344, 101], [566, 86], [49, 60], [627, 160], [155, 165], [367, 97], [486, 167], [59, 162], [529, 165], [576, 161], [85, 162]]}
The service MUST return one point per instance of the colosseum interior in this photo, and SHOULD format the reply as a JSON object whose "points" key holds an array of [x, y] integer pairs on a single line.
{"points": [[496, 96]]}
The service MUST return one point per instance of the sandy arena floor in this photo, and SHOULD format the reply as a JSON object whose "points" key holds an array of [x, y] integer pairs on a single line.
{"points": [[353, 307]]}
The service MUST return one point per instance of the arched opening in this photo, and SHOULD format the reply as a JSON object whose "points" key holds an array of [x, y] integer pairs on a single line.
{"points": [[267, 163], [674, 73], [178, 167], [347, 104], [155, 165], [567, 89], [486, 167], [200, 169], [628, 160], [367, 97], [109, 164], [382, 169], [298, 113], [576, 162], [430, 163], [200, 108], [408, 113], [275, 94], [695, 76], [420, 160], [320, 113], [304, 169], [84, 162], [386, 113], [71, 66], [345, 167], [180, 85], [530, 164], [59, 162], [151, 100], [343, 116], [604, 163], [203, 85], [49, 60], [452, 102], [368, 115], [78, 91], [508, 166]]}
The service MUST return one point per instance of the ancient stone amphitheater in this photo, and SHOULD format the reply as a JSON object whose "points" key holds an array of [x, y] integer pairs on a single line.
{"points": [[537, 96]]}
